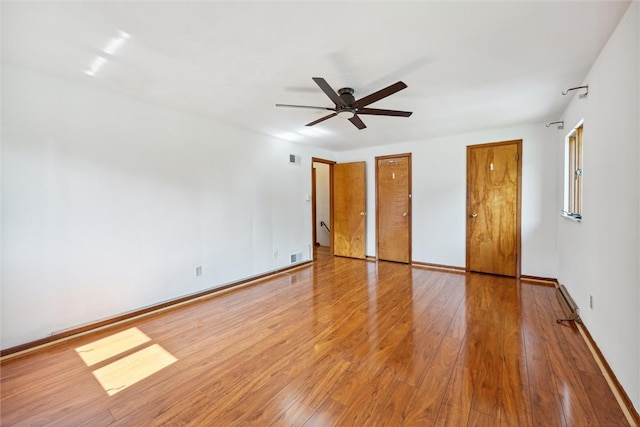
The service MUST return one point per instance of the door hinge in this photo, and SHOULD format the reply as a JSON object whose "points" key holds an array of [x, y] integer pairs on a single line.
{"points": [[517, 157]]}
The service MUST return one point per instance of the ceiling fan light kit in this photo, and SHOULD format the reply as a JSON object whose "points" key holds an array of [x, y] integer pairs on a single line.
{"points": [[346, 114], [346, 105]]}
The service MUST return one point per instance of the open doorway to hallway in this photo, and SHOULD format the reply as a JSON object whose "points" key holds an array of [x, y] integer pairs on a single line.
{"points": [[339, 208], [321, 208]]}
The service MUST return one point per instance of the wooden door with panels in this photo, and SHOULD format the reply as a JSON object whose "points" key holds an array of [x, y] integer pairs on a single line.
{"points": [[349, 210], [494, 181], [393, 208]]}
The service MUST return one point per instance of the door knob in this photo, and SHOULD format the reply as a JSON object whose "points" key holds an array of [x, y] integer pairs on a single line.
{"points": [[404, 214], [362, 213], [473, 215]]}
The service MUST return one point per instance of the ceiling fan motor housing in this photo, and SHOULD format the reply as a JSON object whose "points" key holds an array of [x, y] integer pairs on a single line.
{"points": [[346, 93]]}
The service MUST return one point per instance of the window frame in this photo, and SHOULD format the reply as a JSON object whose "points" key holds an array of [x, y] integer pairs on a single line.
{"points": [[573, 172]]}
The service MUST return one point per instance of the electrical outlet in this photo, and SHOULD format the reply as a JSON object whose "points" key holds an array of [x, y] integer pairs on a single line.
{"points": [[199, 270], [591, 301]]}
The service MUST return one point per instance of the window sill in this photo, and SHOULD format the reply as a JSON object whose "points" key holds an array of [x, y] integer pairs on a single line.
{"points": [[571, 216]]}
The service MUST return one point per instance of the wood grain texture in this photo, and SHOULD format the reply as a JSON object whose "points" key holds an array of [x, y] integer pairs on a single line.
{"points": [[393, 208], [493, 177], [349, 210], [342, 342]]}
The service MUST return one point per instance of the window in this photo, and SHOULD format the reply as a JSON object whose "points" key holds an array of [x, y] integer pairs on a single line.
{"points": [[573, 174]]}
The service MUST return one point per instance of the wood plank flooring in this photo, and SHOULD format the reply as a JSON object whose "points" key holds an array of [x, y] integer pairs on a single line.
{"points": [[338, 343]]}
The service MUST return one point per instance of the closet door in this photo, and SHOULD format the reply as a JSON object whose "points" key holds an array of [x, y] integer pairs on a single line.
{"points": [[393, 208]]}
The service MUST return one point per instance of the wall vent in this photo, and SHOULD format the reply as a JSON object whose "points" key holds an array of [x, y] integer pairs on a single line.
{"points": [[295, 159], [297, 257]]}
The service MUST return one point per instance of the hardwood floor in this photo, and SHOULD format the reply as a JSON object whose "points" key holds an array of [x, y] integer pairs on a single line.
{"points": [[340, 342]]}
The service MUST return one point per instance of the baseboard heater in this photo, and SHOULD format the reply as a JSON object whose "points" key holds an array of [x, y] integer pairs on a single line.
{"points": [[571, 311]]}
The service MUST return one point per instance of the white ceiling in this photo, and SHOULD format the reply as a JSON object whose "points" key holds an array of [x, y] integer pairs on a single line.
{"points": [[468, 65]]}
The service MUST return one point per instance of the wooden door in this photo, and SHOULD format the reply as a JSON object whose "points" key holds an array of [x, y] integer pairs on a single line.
{"points": [[493, 208], [393, 207], [349, 210]]}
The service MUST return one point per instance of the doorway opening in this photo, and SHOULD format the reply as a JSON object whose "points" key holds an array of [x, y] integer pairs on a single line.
{"points": [[322, 207], [339, 219]]}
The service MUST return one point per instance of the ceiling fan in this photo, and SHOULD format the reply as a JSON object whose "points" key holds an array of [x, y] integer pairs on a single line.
{"points": [[347, 106]]}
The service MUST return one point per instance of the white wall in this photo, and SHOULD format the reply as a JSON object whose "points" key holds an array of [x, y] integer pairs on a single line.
{"points": [[322, 203], [110, 203], [599, 256], [439, 195]]}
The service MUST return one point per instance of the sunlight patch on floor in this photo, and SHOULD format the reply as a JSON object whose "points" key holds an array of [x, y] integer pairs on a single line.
{"points": [[112, 345], [127, 371]]}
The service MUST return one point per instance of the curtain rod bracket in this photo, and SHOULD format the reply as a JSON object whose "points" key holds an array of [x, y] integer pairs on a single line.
{"points": [[582, 95], [559, 123]]}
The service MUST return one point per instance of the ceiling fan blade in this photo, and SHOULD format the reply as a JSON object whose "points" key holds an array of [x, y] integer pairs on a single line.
{"points": [[305, 106], [379, 112], [321, 119], [329, 91], [357, 122], [382, 93]]}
